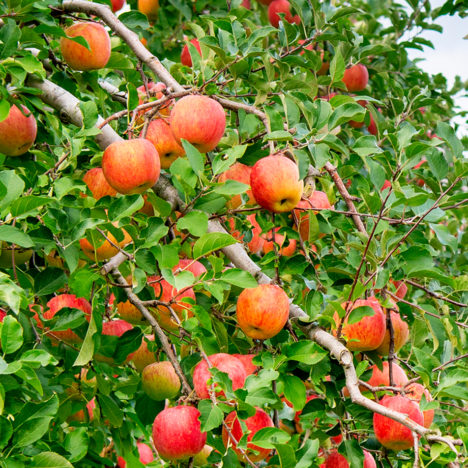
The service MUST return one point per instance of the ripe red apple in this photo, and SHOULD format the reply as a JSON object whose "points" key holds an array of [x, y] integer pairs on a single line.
{"points": [[318, 200], [194, 266], [281, 6], [356, 77], [246, 4], [336, 460], [401, 288], [177, 434], [142, 357], [381, 378], [185, 57], [241, 173], [3, 315], [115, 327], [415, 392], [275, 183], [254, 423], [165, 292], [56, 304], [149, 8], [107, 249], [160, 134], [79, 57], [17, 131], [131, 166], [391, 434], [97, 184], [263, 311], [117, 5], [246, 360], [286, 250], [400, 335], [200, 120], [145, 453], [386, 184], [368, 333], [155, 91], [223, 362], [129, 312], [160, 381]]}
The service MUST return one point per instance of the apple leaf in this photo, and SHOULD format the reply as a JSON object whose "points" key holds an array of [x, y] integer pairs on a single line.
{"points": [[359, 313], [295, 391], [240, 278], [11, 335], [211, 416], [211, 242], [195, 222], [268, 437], [51, 459]]}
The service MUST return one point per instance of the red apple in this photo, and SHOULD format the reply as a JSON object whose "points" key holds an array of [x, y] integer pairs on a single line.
{"points": [[401, 288], [386, 184], [185, 57], [56, 304], [246, 4], [115, 327], [392, 434], [356, 77], [368, 333], [381, 378], [117, 5], [98, 184], [318, 200], [142, 357], [78, 56], [3, 315], [17, 131], [246, 359], [200, 120], [177, 434], [415, 392], [254, 423], [131, 166], [281, 6], [223, 362], [400, 335], [149, 8], [160, 134], [336, 460], [275, 183], [255, 244], [165, 292], [286, 251], [155, 91], [241, 173], [145, 453], [160, 381], [263, 311]]}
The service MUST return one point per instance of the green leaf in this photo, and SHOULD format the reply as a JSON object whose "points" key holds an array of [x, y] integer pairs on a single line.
{"points": [[353, 453], [268, 437], [90, 113], [6, 431], [15, 186], [211, 242], [13, 235], [12, 335], [437, 163], [28, 203], [31, 431], [222, 162], [238, 277], [231, 187], [286, 455], [49, 281], [195, 222], [446, 132], [134, 20], [51, 460], [359, 313], [345, 113], [110, 410], [320, 153], [196, 159], [366, 145], [279, 135], [211, 415], [2, 399], [87, 348], [337, 67], [122, 207], [304, 351], [4, 109], [295, 391]]}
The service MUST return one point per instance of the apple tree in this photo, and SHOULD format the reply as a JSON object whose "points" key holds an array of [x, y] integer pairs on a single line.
{"points": [[232, 234]]}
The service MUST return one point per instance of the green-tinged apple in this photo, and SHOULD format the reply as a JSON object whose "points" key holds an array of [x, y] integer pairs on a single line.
{"points": [[166, 293], [356, 77], [200, 120], [17, 131], [286, 250], [201, 458], [97, 184], [281, 6], [160, 134], [400, 334], [145, 455], [392, 434], [231, 365], [129, 312], [108, 247], [177, 433], [275, 183], [241, 173], [142, 357], [254, 423], [7, 254], [185, 57], [78, 56], [246, 359], [149, 8], [336, 460], [317, 200], [160, 381], [263, 311], [56, 304], [368, 333], [414, 392], [131, 166]]}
